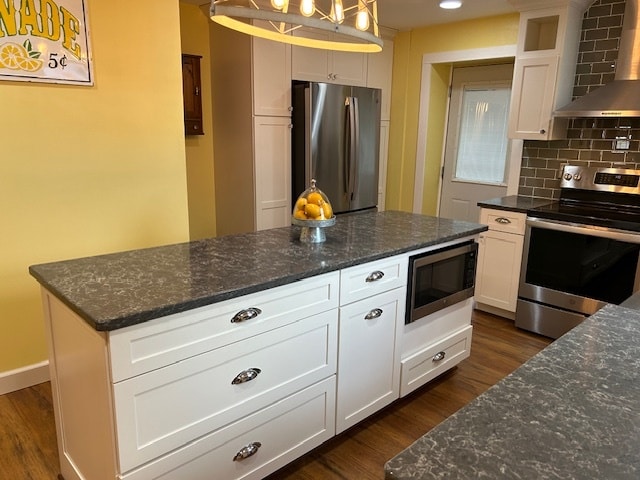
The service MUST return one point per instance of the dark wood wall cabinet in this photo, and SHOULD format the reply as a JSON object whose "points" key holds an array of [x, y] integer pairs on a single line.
{"points": [[192, 94]]}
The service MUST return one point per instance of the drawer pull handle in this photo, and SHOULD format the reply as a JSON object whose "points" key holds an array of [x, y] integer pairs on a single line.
{"points": [[374, 276], [246, 452], [247, 314], [246, 376], [375, 313], [439, 356], [503, 220]]}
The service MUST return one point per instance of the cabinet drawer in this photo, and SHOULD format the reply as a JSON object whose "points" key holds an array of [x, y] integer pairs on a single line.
{"points": [[157, 343], [285, 430], [372, 278], [167, 408], [424, 366], [504, 221]]}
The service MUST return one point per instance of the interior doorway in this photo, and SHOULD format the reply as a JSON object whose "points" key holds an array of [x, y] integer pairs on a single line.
{"points": [[477, 149]]}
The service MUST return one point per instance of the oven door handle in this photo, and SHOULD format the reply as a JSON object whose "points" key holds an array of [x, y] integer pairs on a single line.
{"points": [[591, 230]]}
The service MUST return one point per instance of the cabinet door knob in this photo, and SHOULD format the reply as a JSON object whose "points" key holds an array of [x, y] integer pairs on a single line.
{"points": [[247, 451], [375, 313], [543, 131], [246, 376], [247, 314], [374, 276]]}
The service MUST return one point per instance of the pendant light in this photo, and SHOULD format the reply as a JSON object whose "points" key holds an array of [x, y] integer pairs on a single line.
{"points": [[356, 21], [450, 4]]}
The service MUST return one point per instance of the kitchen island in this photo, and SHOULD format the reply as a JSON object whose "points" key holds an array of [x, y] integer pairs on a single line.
{"points": [[233, 356], [572, 411]]}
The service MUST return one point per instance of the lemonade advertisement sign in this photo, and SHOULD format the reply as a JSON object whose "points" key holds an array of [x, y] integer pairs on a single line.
{"points": [[44, 41]]}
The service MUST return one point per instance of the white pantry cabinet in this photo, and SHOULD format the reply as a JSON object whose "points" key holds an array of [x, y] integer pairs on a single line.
{"points": [[544, 70], [380, 74], [499, 260], [252, 131]]}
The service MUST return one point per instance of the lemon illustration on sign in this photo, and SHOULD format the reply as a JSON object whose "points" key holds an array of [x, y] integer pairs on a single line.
{"points": [[16, 57], [10, 53]]}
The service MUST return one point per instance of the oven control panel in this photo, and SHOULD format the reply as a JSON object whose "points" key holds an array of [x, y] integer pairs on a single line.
{"points": [[601, 179]]}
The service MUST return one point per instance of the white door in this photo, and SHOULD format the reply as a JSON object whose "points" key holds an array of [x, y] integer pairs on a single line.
{"points": [[476, 147]]}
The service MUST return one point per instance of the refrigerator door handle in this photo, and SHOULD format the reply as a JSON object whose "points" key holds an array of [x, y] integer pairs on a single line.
{"points": [[351, 146], [308, 150]]}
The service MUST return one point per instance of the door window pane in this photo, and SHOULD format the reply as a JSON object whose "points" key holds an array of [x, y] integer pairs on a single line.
{"points": [[482, 145]]}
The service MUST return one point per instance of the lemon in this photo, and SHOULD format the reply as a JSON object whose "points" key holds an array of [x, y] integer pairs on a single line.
{"points": [[313, 211], [300, 203], [327, 210], [11, 54], [300, 215], [315, 198]]}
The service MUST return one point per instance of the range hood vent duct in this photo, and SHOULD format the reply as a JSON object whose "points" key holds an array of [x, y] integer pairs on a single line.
{"points": [[621, 97]]}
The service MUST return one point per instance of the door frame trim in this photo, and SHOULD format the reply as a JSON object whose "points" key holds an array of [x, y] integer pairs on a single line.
{"points": [[428, 59]]}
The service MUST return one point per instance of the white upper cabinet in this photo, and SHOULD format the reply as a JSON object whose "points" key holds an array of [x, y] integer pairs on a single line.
{"points": [[544, 71], [318, 65], [271, 78]]}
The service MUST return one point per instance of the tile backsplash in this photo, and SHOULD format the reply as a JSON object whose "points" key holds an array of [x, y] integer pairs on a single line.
{"points": [[590, 141]]}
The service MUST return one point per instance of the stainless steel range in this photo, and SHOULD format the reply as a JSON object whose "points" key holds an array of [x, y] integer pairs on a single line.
{"points": [[580, 252]]}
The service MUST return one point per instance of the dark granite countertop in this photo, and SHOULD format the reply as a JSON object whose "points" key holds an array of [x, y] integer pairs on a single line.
{"points": [[121, 289], [514, 203], [571, 412]]}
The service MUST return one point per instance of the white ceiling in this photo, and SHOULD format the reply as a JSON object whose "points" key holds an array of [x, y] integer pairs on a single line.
{"points": [[408, 14]]}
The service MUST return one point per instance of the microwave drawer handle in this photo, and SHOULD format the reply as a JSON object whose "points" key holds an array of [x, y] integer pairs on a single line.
{"points": [[247, 314], [375, 313], [502, 220], [374, 276]]}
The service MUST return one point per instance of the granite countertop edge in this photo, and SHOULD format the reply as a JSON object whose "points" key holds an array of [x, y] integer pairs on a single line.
{"points": [[514, 203], [171, 279]]}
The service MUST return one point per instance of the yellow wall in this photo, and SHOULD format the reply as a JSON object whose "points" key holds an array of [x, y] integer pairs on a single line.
{"points": [[88, 170], [409, 48], [199, 148]]}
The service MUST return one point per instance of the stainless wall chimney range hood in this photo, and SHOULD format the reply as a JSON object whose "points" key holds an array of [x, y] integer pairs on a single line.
{"points": [[621, 97]]}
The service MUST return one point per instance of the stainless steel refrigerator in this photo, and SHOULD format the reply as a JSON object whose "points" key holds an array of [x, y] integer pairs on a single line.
{"points": [[336, 140]]}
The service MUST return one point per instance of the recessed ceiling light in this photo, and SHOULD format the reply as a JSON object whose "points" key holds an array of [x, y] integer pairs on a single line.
{"points": [[450, 4]]}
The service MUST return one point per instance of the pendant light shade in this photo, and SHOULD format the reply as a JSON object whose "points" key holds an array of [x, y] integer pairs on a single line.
{"points": [[355, 21]]}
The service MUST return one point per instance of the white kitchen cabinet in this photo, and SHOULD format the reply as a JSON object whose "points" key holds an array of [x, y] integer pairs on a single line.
{"points": [[161, 397], [382, 164], [380, 74], [252, 142], [319, 65], [544, 71], [369, 361], [272, 170], [372, 305], [499, 260]]}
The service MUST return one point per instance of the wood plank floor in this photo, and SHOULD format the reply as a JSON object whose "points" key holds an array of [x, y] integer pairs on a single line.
{"points": [[28, 441]]}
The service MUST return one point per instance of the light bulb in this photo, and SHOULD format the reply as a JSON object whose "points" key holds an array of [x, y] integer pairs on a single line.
{"points": [[337, 12], [362, 17], [450, 4], [307, 7], [279, 4]]}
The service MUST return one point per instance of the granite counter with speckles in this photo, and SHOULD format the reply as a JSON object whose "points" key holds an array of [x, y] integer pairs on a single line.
{"points": [[571, 412], [117, 290]]}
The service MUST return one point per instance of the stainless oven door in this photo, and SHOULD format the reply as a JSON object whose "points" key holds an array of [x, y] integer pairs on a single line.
{"points": [[575, 269]]}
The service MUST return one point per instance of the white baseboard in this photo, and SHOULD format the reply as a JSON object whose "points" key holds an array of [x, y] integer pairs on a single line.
{"points": [[24, 377]]}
